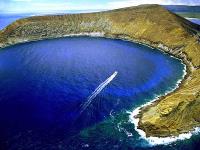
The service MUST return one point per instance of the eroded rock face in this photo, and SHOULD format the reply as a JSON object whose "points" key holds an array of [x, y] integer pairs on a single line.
{"points": [[176, 113], [148, 24]]}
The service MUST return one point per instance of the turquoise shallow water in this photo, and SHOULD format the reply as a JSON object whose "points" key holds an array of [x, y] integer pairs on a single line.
{"points": [[44, 86]]}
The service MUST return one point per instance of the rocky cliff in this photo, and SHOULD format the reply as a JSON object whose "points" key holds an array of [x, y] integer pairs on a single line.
{"points": [[149, 24]]}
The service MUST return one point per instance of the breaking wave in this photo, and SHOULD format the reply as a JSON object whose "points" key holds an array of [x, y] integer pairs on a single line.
{"points": [[160, 140]]}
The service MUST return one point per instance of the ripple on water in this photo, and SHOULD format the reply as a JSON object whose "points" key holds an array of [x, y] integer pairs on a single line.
{"points": [[44, 84]]}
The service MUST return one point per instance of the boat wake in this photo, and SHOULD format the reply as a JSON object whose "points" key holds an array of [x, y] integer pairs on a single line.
{"points": [[97, 91]]}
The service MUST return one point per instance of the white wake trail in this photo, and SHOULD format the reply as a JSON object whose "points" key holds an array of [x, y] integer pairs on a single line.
{"points": [[97, 91]]}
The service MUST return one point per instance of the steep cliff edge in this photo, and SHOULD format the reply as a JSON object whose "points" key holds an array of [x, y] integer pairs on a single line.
{"points": [[148, 24]]}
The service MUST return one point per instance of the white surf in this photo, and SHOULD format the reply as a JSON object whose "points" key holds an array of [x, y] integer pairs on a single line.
{"points": [[97, 91]]}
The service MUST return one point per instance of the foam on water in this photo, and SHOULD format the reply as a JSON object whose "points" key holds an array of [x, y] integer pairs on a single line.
{"points": [[62, 97], [159, 140], [97, 91]]}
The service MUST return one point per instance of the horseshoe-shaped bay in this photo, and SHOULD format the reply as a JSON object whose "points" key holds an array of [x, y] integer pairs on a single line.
{"points": [[43, 85]]}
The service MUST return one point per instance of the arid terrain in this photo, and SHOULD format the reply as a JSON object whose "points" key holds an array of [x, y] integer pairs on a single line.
{"points": [[176, 113]]}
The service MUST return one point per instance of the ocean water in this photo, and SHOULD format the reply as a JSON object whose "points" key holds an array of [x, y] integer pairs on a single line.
{"points": [[194, 20], [74, 93], [8, 18]]}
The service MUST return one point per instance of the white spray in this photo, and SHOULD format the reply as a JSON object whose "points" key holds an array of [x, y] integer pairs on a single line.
{"points": [[97, 91]]}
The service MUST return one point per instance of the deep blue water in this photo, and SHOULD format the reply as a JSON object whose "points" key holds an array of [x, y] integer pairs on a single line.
{"points": [[194, 20], [183, 8], [44, 84], [6, 19]]}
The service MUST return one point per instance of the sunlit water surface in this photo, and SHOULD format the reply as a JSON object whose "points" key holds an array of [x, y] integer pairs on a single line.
{"points": [[74, 93]]}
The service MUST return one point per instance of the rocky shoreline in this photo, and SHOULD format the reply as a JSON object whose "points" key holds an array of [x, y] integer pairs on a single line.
{"points": [[152, 25]]}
